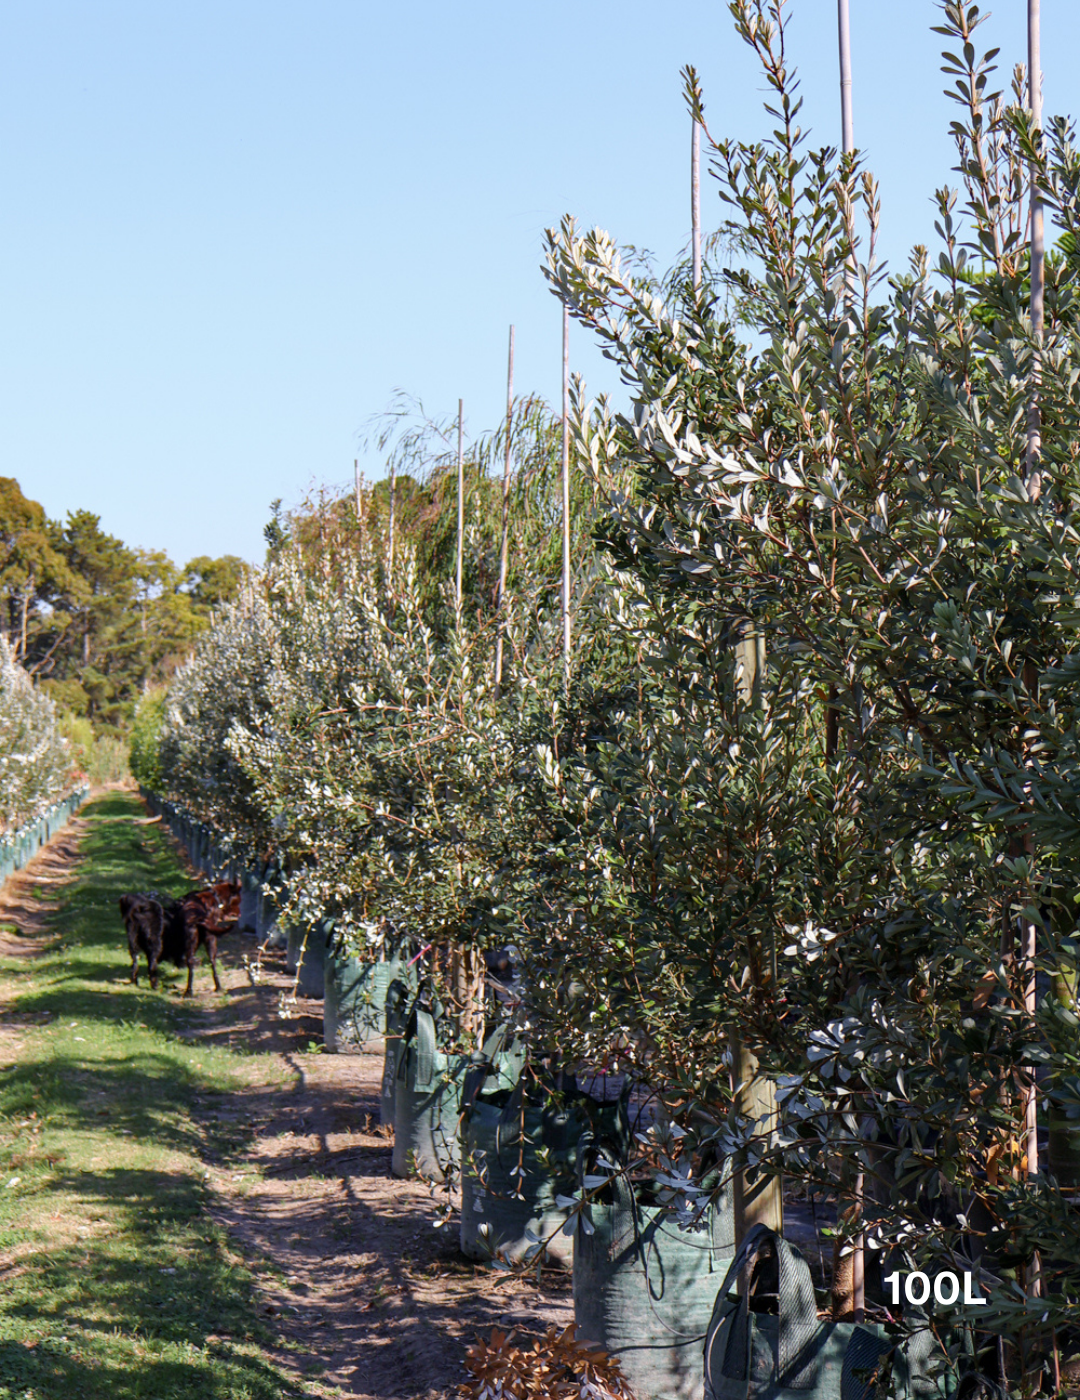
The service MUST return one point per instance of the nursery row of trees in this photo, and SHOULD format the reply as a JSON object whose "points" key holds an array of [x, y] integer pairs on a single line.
{"points": [[36, 767], [796, 842]]}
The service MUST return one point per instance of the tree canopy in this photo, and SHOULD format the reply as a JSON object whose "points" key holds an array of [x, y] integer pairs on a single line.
{"points": [[95, 620]]}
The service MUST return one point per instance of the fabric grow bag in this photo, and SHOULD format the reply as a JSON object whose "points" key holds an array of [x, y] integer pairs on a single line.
{"points": [[307, 958], [644, 1289], [427, 1100], [271, 931], [518, 1156], [249, 901], [397, 1015], [354, 1011], [766, 1342]]}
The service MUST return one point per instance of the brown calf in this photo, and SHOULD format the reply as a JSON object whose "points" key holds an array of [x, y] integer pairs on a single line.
{"points": [[174, 930]]}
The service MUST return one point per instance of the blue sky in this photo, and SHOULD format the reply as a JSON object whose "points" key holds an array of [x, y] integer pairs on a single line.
{"points": [[232, 228]]}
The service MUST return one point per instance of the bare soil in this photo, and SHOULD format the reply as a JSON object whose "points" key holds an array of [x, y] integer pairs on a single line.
{"points": [[384, 1302], [368, 1299], [28, 897]]}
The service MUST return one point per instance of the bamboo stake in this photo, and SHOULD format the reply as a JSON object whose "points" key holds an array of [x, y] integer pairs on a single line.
{"points": [[847, 129], [460, 506], [847, 125], [566, 494], [1038, 253], [695, 203], [356, 478], [504, 548], [1028, 947], [390, 533], [847, 141]]}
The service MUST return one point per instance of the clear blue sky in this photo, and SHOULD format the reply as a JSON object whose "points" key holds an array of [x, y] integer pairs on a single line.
{"points": [[232, 228]]}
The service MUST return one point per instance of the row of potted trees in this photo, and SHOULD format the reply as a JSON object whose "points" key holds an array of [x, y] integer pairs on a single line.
{"points": [[791, 834], [40, 786]]}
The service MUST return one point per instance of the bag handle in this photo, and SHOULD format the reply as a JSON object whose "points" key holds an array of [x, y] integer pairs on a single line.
{"points": [[395, 1016], [493, 1058], [796, 1303], [420, 1045], [492, 1048], [423, 1047]]}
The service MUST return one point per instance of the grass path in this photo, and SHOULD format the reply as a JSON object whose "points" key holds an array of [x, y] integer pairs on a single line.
{"points": [[114, 1280]]}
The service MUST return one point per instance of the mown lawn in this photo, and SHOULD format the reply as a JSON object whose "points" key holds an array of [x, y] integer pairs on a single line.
{"points": [[113, 1280]]}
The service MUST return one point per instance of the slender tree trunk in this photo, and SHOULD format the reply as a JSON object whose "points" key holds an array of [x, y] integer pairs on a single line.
{"points": [[566, 494], [26, 613], [1063, 1146], [756, 1200], [504, 546], [466, 978], [460, 508]]}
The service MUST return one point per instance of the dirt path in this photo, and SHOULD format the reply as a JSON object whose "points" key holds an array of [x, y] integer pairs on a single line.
{"points": [[386, 1302], [367, 1298], [28, 897]]}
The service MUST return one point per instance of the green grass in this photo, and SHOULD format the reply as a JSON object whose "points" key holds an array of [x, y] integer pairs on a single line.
{"points": [[114, 1282]]}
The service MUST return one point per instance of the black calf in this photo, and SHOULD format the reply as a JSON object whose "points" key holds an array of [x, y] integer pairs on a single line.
{"points": [[173, 930], [145, 917]]}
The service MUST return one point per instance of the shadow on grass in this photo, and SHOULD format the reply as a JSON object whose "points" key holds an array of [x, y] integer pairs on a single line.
{"points": [[147, 1093], [158, 1283], [56, 1369]]}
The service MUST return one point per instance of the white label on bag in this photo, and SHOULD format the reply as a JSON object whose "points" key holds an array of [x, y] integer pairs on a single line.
{"points": [[946, 1288]]}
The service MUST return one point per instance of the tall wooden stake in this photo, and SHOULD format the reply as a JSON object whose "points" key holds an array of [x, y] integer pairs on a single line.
{"points": [[359, 501], [1034, 450], [847, 125], [847, 139], [460, 506], [504, 547], [695, 203], [1038, 252], [566, 494], [847, 130], [390, 532]]}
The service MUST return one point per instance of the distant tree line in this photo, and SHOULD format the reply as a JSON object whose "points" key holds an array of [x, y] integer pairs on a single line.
{"points": [[93, 620]]}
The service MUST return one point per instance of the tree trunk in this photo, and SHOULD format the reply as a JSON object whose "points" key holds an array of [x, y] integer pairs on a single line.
{"points": [[758, 1200], [466, 979], [1064, 1136]]}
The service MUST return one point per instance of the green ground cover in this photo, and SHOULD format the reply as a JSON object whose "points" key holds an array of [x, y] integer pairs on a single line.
{"points": [[114, 1281]]}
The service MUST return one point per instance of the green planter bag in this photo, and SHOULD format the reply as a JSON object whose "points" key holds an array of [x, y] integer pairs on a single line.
{"points": [[355, 1006], [397, 1016], [306, 957], [767, 1342], [427, 1100], [519, 1154], [644, 1289]]}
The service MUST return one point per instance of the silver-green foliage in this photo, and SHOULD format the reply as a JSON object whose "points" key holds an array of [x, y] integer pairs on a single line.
{"points": [[35, 762], [837, 870], [225, 683]]}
